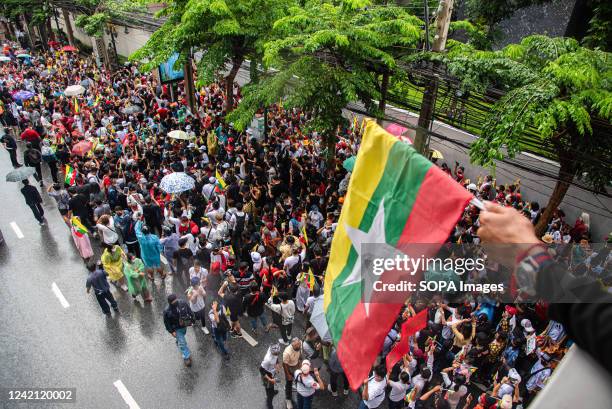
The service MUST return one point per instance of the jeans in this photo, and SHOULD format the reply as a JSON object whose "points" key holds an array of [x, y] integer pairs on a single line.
{"points": [[396, 405], [262, 319], [220, 338], [38, 211], [182, 342], [288, 388], [285, 331], [104, 299], [13, 156], [270, 394], [304, 402]]}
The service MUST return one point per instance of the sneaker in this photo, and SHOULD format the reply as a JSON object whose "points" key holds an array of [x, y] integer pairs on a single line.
{"points": [[234, 334], [187, 362], [345, 392], [206, 331], [289, 403], [332, 392], [226, 357], [282, 341], [42, 223], [124, 287]]}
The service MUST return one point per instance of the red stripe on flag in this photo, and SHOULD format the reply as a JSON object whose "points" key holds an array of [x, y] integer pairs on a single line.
{"points": [[410, 327], [437, 207]]}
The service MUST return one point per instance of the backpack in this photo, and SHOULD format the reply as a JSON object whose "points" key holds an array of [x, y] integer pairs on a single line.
{"points": [[223, 324], [34, 156], [239, 227], [297, 268]]}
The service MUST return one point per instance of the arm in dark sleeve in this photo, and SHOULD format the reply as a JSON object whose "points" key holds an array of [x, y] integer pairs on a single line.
{"points": [[167, 322], [587, 318]]}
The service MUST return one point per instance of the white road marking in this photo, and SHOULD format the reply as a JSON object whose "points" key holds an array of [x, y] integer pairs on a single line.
{"points": [[126, 395], [59, 295], [17, 230], [248, 338]]}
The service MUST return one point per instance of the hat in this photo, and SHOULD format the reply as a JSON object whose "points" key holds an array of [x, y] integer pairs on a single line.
{"points": [[212, 180], [195, 230], [248, 131], [275, 349], [514, 375], [171, 298], [547, 238], [255, 257], [202, 148], [506, 402], [124, 124], [472, 187], [226, 165], [188, 127], [305, 366], [526, 324], [511, 310], [195, 280], [191, 145]]}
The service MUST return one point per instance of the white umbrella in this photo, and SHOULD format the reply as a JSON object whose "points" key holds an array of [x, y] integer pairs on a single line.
{"points": [[178, 135], [74, 90], [4, 59], [177, 182]]}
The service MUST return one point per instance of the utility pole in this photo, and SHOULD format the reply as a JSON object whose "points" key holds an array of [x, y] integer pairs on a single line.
{"points": [[443, 17], [68, 27]]}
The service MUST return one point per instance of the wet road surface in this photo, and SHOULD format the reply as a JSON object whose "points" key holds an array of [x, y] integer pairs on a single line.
{"points": [[45, 343]]}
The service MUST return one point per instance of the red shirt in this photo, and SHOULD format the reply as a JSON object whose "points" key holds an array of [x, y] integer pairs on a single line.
{"points": [[30, 135]]}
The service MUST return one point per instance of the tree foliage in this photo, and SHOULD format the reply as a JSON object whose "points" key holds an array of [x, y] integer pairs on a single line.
{"points": [[327, 54], [599, 33], [100, 12], [37, 10]]}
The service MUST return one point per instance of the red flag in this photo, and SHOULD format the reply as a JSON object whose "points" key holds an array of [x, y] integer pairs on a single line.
{"points": [[410, 327]]}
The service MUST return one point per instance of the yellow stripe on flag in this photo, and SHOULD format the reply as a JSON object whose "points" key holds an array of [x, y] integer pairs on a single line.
{"points": [[366, 176]]}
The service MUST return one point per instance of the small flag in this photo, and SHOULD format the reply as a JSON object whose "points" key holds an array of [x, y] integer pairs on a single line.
{"points": [[310, 279], [220, 182], [76, 106], [97, 101], [410, 396], [303, 230], [70, 178], [78, 227]]}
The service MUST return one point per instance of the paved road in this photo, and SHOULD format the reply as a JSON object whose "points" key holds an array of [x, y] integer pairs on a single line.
{"points": [[47, 345]]}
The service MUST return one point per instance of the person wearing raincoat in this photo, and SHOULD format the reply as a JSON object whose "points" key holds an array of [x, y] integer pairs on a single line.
{"points": [[134, 271], [112, 261], [150, 250]]}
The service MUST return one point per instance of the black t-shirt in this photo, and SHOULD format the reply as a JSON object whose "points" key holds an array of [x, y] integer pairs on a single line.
{"points": [[78, 205], [183, 259]]}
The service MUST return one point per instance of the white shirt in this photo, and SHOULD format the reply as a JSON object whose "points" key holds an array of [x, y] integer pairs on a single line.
{"points": [[202, 274], [306, 385], [293, 260], [398, 390], [376, 392], [197, 303], [109, 234]]}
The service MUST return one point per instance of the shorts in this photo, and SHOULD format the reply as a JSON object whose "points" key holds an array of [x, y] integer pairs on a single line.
{"points": [[233, 316]]}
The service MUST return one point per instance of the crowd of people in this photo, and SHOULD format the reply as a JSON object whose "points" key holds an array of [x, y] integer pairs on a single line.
{"points": [[252, 237]]}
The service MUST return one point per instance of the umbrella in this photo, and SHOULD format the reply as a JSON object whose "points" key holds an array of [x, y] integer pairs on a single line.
{"points": [[82, 148], [20, 174], [24, 56], [4, 59], [178, 135], [74, 90], [399, 131], [349, 163], [69, 48], [23, 95], [318, 321], [47, 73], [436, 154], [132, 109], [177, 182]]}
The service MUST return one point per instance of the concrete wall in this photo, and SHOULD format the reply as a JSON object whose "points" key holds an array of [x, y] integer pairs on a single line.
{"points": [[126, 43]]}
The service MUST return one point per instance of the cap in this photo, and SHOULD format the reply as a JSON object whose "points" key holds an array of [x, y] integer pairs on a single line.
{"points": [[526, 324], [305, 366], [195, 280], [511, 310], [212, 180], [472, 186]]}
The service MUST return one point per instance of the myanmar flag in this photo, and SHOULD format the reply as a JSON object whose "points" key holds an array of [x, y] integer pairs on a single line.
{"points": [[70, 178], [395, 197], [78, 227], [220, 182]]}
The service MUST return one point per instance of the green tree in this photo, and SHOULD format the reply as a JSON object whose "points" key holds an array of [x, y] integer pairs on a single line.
{"points": [[95, 14], [227, 32], [554, 84], [328, 54], [35, 12]]}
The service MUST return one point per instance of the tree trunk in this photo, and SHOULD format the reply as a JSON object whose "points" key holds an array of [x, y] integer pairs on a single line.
{"points": [[189, 88], [382, 104], [254, 72], [69, 31], [426, 115], [229, 82], [567, 171], [330, 157]]}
